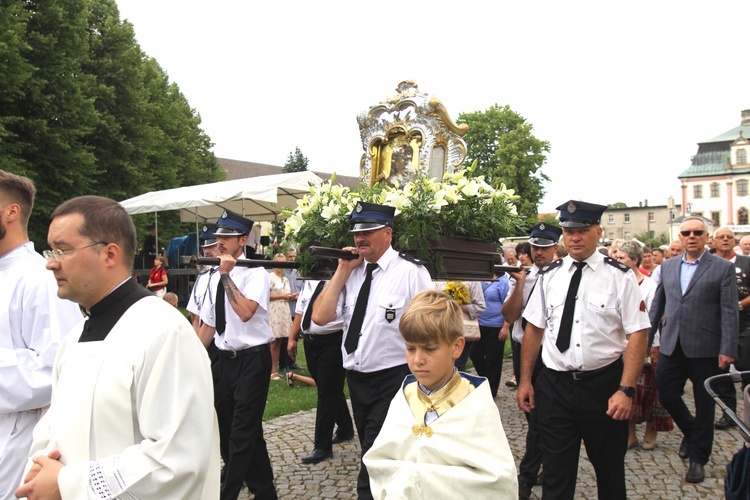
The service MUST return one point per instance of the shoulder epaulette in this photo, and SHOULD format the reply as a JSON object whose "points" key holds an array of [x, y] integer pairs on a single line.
{"points": [[616, 263], [552, 265], [411, 258]]}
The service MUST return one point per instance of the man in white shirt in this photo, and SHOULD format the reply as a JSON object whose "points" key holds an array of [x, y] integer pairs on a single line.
{"points": [[33, 322], [543, 240], [588, 313], [373, 349], [238, 325]]}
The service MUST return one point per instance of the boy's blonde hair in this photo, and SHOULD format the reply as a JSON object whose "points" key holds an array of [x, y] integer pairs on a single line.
{"points": [[431, 317]]}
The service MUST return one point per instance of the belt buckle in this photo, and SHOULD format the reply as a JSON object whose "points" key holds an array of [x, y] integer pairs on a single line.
{"points": [[234, 354], [577, 375]]}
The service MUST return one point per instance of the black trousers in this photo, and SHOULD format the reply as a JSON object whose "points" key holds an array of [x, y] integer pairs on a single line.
{"points": [[487, 356], [571, 410], [528, 467], [323, 353], [371, 395], [671, 374], [241, 400]]}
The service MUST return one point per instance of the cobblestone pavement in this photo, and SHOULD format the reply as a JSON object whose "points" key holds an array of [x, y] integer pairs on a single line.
{"points": [[658, 473]]}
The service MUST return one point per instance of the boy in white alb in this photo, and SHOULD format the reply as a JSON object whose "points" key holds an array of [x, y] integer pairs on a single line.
{"points": [[443, 437]]}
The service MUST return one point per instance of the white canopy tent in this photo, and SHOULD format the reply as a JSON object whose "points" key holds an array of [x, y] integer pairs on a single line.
{"points": [[257, 198]]}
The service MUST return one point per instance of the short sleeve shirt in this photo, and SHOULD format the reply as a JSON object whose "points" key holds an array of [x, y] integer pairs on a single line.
{"points": [[609, 307]]}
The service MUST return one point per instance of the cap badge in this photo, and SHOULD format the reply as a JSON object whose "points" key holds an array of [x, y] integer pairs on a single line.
{"points": [[205, 229], [224, 215], [572, 208], [541, 226], [359, 207]]}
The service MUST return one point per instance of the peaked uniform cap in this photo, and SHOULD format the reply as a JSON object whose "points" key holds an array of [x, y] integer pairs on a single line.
{"points": [[232, 224], [369, 216], [544, 235], [580, 213], [207, 235]]}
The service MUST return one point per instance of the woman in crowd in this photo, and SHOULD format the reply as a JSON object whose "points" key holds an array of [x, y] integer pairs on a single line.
{"points": [[157, 278], [645, 405], [278, 313], [487, 352]]}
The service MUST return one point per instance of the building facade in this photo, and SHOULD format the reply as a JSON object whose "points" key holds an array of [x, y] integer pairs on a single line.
{"points": [[716, 184]]}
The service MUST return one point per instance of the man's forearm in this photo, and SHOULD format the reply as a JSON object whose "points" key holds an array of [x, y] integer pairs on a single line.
{"points": [[635, 353]]}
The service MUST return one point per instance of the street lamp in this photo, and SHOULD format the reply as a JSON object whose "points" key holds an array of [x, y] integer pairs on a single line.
{"points": [[670, 206]]}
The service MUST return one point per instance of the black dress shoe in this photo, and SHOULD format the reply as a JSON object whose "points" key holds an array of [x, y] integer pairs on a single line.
{"points": [[695, 473], [338, 438], [684, 449], [724, 423], [316, 456], [524, 490]]}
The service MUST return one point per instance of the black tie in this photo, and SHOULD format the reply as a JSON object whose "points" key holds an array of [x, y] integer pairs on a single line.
{"points": [[308, 312], [358, 316], [566, 323], [221, 320]]}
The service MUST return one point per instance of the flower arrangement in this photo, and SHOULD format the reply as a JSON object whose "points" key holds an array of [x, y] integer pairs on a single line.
{"points": [[458, 292], [426, 211]]}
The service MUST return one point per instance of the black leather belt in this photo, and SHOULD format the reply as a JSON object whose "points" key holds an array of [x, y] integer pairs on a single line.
{"points": [[583, 375], [312, 337], [244, 352]]}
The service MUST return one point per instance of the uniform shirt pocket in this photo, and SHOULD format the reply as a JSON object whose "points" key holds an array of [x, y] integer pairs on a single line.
{"points": [[390, 308], [601, 310]]}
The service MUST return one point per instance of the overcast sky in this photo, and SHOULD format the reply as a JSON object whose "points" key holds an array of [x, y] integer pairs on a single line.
{"points": [[622, 91]]}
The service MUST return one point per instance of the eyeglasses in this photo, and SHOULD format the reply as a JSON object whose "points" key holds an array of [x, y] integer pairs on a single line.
{"points": [[694, 233], [725, 237], [59, 255]]}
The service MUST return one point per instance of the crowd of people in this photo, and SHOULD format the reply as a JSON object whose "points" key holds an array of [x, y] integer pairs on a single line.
{"points": [[113, 393]]}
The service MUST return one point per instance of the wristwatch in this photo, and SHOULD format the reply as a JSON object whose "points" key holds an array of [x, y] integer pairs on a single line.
{"points": [[628, 390]]}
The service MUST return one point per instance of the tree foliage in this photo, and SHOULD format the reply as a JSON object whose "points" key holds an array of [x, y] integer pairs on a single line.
{"points": [[296, 162], [506, 151], [84, 111]]}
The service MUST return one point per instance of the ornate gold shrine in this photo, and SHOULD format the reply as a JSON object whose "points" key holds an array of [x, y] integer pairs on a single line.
{"points": [[408, 134]]}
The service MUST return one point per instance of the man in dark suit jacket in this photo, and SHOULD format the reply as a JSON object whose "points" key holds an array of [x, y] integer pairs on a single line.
{"points": [[724, 243], [698, 299]]}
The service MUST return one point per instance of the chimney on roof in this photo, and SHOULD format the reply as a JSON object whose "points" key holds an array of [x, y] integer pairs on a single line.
{"points": [[745, 118], [640, 204]]}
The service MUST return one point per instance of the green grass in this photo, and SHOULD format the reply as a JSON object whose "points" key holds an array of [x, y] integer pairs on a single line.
{"points": [[283, 400]]}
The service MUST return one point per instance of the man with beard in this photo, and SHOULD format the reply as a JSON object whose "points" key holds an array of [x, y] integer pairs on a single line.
{"points": [[33, 321], [238, 324], [377, 287], [543, 240]]}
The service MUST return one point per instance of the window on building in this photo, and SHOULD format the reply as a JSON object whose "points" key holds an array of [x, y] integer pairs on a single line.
{"points": [[627, 218], [697, 191], [742, 216], [741, 157], [715, 217], [611, 236], [651, 216], [611, 219], [652, 234], [741, 187], [715, 190], [627, 235]]}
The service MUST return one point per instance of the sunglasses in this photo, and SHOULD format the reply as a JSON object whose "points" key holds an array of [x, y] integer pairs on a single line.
{"points": [[694, 233]]}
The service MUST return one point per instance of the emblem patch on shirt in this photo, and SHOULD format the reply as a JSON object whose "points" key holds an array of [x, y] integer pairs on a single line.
{"points": [[390, 315]]}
